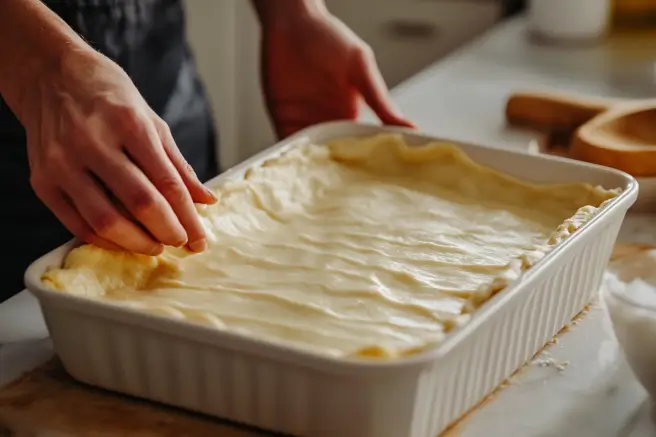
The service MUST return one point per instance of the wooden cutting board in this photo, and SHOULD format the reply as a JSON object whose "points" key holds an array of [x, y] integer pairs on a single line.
{"points": [[48, 403]]}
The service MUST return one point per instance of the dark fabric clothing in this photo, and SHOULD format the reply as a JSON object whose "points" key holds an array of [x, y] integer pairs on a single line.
{"points": [[512, 7], [145, 37]]}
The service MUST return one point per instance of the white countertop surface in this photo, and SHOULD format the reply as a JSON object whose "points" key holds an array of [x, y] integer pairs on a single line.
{"points": [[581, 386]]}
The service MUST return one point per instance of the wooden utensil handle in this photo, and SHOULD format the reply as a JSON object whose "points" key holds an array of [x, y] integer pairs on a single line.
{"points": [[552, 112]]}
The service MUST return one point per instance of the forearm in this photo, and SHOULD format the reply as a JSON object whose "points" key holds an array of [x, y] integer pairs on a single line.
{"points": [[32, 40], [281, 12]]}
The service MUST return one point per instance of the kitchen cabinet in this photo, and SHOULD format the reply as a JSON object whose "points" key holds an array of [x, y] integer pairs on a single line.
{"points": [[406, 36]]}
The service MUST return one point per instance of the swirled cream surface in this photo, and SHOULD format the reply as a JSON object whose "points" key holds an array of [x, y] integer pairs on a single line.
{"points": [[365, 247]]}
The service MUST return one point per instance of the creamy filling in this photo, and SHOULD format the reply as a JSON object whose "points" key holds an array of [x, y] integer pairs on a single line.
{"points": [[364, 247]]}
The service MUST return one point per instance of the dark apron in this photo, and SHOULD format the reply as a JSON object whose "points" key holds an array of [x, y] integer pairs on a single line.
{"points": [[145, 37]]}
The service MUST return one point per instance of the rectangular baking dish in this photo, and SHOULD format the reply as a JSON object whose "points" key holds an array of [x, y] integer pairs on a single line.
{"points": [[293, 392]]}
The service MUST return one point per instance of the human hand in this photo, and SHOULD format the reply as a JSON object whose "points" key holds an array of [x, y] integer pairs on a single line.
{"points": [[314, 69], [105, 163]]}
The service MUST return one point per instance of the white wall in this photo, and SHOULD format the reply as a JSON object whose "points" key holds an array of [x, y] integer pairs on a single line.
{"points": [[255, 128], [224, 36]]}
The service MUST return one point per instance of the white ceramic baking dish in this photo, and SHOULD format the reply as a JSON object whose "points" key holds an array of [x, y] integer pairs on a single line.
{"points": [[290, 391]]}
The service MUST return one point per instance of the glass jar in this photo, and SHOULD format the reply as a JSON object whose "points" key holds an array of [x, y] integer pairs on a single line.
{"points": [[568, 21]]}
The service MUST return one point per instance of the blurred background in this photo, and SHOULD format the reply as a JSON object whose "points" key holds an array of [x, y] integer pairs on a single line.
{"points": [[407, 35]]}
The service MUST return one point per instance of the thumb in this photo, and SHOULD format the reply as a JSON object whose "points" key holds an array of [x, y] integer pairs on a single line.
{"points": [[369, 82]]}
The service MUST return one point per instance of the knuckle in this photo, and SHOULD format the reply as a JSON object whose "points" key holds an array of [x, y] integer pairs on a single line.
{"points": [[189, 169], [86, 235], [172, 189], [103, 224], [162, 126], [130, 118], [76, 133], [141, 200], [55, 156]]}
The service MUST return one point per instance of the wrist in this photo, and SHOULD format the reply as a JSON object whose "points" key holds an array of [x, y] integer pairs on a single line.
{"points": [[23, 89], [286, 13], [33, 45]]}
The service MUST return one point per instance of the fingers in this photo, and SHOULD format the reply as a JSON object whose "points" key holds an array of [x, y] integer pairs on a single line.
{"points": [[66, 213], [104, 218], [199, 192], [366, 77], [146, 149], [140, 198]]}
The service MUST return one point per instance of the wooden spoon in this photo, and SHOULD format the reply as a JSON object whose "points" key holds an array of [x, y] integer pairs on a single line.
{"points": [[614, 133], [625, 250]]}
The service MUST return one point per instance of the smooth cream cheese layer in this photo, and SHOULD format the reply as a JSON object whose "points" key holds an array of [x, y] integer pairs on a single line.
{"points": [[365, 247]]}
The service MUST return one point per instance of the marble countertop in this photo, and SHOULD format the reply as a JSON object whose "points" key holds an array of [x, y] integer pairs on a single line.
{"points": [[581, 386]]}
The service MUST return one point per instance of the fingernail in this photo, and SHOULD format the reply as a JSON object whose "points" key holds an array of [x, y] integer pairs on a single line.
{"points": [[180, 242], [198, 245], [210, 193], [157, 250]]}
